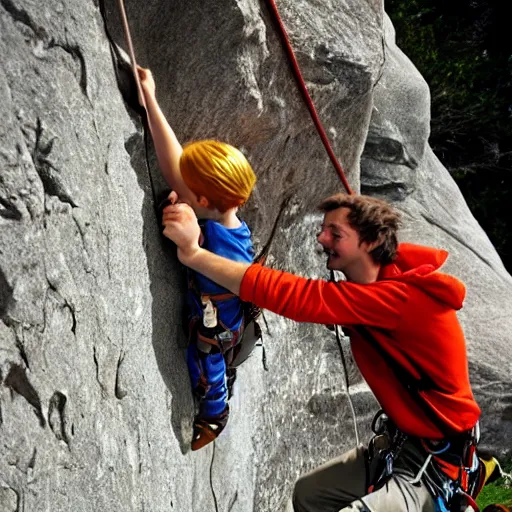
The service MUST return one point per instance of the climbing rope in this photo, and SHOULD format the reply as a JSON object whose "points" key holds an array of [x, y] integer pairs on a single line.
{"points": [[121, 61], [129, 42], [146, 128], [345, 374], [296, 72], [305, 93], [214, 496]]}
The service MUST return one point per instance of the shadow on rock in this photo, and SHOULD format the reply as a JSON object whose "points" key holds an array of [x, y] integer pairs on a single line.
{"points": [[167, 287]]}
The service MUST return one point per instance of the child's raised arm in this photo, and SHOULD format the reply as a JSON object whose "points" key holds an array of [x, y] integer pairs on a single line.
{"points": [[168, 148]]}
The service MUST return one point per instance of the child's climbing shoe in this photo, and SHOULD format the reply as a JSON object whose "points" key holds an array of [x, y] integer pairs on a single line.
{"points": [[207, 430]]}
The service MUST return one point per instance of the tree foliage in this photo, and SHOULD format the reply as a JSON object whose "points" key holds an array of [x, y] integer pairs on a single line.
{"points": [[464, 51]]}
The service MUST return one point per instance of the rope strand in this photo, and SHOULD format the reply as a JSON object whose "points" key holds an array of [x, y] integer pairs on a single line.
{"points": [[131, 51], [345, 372], [307, 97]]}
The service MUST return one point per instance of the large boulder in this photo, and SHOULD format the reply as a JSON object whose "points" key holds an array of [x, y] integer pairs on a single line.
{"points": [[95, 405]]}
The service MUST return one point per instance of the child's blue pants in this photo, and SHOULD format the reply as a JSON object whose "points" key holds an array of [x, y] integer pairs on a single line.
{"points": [[208, 373]]}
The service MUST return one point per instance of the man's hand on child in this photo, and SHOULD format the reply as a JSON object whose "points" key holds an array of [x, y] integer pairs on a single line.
{"points": [[181, 226]]}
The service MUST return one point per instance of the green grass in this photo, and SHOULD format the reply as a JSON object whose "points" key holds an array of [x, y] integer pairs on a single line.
{"points": [[498, 492]]}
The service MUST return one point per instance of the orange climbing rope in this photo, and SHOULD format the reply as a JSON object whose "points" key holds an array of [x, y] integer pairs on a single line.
{"points": [[307, 97]]}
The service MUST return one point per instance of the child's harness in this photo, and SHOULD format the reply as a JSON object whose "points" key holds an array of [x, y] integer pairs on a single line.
{"points": [[206, 327]]}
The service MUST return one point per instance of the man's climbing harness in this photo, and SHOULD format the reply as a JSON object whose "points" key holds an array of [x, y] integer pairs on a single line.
{"points": [[452, 471]]}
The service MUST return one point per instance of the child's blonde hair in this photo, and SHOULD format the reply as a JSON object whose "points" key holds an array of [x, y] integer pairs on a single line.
{"points": [[217, 171]]}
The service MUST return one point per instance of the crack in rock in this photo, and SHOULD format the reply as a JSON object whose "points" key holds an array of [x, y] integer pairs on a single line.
{"points": [[97, 365], [23, 17], [46, 170], [47, 43], [120, 391], [32, 461], [6, 292], [21, 350], [398, 190], [233, 501], [78, 56], [8, 210], [122, 67], [18, 382], [65, 303], [57, 417], [1, 416], [385, 149]]}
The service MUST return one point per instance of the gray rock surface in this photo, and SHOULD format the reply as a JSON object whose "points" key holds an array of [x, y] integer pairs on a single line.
{"points": [[95, 406]]}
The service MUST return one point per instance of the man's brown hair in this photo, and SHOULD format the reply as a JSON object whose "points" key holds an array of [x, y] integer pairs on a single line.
{"points": [[373, 219]]}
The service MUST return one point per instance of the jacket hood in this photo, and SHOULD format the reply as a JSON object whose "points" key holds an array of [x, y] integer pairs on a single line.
{"points": [[419, 265]]}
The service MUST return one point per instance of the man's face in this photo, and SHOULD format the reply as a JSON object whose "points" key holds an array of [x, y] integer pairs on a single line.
{"points": [[340, 241]]}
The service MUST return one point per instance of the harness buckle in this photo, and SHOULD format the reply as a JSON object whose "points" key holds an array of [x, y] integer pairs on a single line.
{"points": [[380, 423], [224, 337], [389, 463], [209, 312]]}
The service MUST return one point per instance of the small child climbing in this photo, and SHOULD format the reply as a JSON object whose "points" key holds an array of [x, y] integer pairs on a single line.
{"points": [[215, 179]]}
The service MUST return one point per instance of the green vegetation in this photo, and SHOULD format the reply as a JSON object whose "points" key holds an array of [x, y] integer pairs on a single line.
{"points": [[497, 492], [464, 51]]}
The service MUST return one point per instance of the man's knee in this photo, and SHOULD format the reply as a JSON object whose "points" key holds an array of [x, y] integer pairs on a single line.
{"points": [[304, 500], [301, 495]]}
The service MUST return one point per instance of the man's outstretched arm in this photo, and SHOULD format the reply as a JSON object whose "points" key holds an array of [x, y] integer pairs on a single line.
{"points": [[298, 298], [182, 228]]}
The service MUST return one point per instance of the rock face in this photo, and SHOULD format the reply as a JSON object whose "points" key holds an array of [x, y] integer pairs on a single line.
{"points": [[95, 407]]}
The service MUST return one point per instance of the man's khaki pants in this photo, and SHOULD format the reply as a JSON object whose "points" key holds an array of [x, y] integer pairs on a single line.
{"points": [[341, 485]]}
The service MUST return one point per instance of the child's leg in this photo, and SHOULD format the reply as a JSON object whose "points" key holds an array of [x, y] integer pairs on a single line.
{"points": [[216, 398], [196, 371], [208, 378], [207, 370]]}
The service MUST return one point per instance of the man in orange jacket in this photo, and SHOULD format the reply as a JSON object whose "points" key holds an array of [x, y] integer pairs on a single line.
{"points": [[400, 312]]}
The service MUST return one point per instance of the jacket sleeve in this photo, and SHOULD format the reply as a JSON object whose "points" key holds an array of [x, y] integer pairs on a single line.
{"points": [[377, 304]]}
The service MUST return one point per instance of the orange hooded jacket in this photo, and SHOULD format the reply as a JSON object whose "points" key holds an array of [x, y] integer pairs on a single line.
{"points": [[410, 311]]}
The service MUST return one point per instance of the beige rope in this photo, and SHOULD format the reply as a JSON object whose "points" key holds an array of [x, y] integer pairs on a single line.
{"points": [[130, 50]]}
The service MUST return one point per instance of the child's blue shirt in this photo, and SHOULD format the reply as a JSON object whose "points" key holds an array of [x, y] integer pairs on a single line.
{"points": [[234, 244]]}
